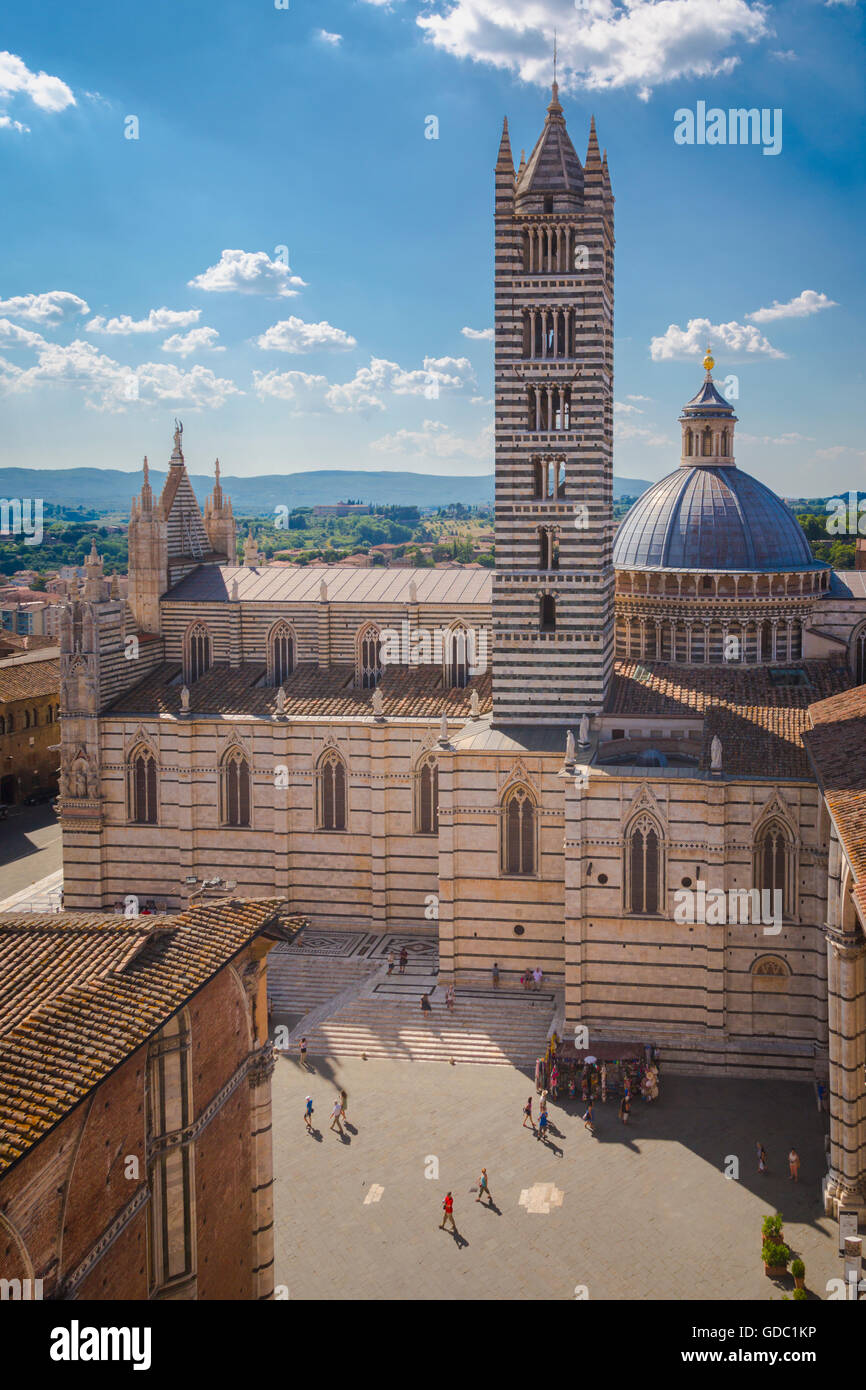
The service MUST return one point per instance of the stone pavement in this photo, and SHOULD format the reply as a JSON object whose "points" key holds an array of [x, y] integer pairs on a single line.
{"points": [[642, 1211]]}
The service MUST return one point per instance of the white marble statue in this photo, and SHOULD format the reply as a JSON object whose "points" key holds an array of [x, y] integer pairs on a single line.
{"points": [[583, 731], [569, 747], [716, 754]]}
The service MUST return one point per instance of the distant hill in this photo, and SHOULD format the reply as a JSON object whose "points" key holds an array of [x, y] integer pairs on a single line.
{"points": [[110, 489]]}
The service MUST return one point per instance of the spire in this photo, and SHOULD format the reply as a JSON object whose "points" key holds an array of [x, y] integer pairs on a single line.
{"points": [[506, 159], [146, 490], [593, 153], [217, 489], [554, 104], [177, 453], [708, 364], [522, 163]]}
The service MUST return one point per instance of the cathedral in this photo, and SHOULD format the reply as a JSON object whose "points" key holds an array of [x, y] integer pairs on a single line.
{"points": [[538, 763]]}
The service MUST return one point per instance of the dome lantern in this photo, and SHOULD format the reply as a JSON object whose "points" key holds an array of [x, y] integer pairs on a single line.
{"points": [[707, 424]]}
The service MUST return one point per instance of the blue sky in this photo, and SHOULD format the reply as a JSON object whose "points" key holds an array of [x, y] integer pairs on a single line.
{"points": [[282, 258]]}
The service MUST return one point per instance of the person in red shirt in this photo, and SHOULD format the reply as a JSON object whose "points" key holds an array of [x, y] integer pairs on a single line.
{"points": [[448, 1209]]}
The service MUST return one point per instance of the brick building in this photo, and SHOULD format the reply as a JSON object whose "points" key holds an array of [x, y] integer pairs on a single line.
{"points": [[135, 1099], [29, 722]]}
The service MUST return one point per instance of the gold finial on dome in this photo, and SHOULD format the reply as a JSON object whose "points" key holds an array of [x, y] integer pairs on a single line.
{"points": [[709, 361]]}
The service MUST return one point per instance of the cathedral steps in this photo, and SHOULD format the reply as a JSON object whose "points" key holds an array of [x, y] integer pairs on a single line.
{"points": [[299, 983], [484, 1028]]}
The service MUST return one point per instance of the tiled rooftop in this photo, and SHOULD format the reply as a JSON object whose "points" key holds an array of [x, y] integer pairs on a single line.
{"points": [[407, 691], [836, 745], [79, 992], [24, 680], [301, 584], [760, 724]]}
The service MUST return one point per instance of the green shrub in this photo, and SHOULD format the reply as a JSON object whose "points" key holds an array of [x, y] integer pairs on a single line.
{"points": [[798, 1269], [771, 1226], [800, 1294], [775, 1253]]}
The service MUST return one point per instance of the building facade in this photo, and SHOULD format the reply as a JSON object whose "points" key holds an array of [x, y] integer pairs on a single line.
{"points": [[29, 724], [548, 763]]}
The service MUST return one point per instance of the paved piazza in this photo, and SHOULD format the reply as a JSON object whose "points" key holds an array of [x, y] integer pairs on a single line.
{"points": [[636, 1212]]}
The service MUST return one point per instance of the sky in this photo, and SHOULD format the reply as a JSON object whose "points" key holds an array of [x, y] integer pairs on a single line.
{"points": [[233, 211]]}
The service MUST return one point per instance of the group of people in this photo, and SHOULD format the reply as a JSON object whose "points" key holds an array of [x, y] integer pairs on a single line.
{"points": [[338, 1113], [543, 1125], [448, 1202], [529, 979], [793, 1161]]}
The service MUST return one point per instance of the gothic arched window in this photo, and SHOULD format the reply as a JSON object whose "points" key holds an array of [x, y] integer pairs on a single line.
{"points": [[170, 1177], [858, 656], [643, 867], [369, 659], [774, 863], [235, 789], [547, 613], [518, 843], [458, 657], [331, 792], [281, 653], [427, 796], [198, 653], [141, 787]]}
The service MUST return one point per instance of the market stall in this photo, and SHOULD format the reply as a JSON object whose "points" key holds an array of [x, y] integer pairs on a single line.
{"points": [[602, 1072]]}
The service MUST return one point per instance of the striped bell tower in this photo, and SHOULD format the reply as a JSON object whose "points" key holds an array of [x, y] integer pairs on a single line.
{"points": [[553, 585]]}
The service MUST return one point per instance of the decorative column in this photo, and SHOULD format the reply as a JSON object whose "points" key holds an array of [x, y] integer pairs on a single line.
{"points": [[774, 622], [845, 1183]]}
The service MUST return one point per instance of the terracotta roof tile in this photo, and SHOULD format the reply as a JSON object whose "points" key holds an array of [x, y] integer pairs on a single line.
{"points": [[760, 723], [80, 992], [24, 680], [407, 691], [836, 745]]}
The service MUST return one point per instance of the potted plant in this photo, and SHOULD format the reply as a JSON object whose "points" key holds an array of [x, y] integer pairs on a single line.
{"points": [[771, 1227], [798, 1269], [800, 1294], [775, 1255]]}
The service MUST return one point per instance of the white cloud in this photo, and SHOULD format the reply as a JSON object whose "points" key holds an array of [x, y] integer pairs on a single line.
{"points": [[436, 440], [643, 435], [333, 39], [108, 385], [12, 335], [809, 302], [157, 321], [620, 408], [780, 439], [293, 335], [195, 340], [478, 334], [366, 389], [604, 44], [784, 55], [639, 398], [837, 451], [7, 123], [47, 92], [47, 309], [690, 343], [248, 272]]}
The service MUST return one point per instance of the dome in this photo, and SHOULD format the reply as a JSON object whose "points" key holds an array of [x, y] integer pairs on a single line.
{"points": [[711, 518]]}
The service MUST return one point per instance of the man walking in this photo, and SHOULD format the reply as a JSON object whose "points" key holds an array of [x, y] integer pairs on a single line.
{"points": [[302, 1052], [335, 1115], [308, 1114], [404, 960], [484, 1187], [448, 1209]]}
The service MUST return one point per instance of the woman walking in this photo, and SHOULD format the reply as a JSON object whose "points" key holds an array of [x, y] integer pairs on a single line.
{"points": [[794, 1165], [426, 1008], [527, 1114], [449, 999], [762, 1157], [344, 1101], [587, 1119]]}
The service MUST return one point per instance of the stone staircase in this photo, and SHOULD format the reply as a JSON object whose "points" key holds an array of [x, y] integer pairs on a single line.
{"points": [[299, 983], [503, 1027]]}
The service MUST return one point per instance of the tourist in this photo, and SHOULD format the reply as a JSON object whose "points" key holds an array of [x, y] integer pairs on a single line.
{"points": [[537, 977], [554, 1081], [794, 1165], [484, 1187], [527, 978], [335, 1115], [308, 1114], [527, 1114], [426, 1008], [390, 963], [302, 1052], [496, 976], [448, 1209], [542, 1104], [587, 1119], [344, 1101], [404, 960], [624, 1108], [449, 999], [541, 1132], [762, 1157]]}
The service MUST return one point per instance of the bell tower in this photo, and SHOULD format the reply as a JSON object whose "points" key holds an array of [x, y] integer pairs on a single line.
{"points": [[553, 584]]}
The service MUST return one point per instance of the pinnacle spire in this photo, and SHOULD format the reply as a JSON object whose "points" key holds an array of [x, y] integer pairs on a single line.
{"points": [[506, 159], [593, 153]]}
